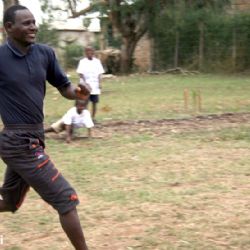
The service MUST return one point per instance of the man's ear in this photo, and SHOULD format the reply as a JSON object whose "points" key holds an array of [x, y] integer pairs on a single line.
{"points": [[8, 26]]}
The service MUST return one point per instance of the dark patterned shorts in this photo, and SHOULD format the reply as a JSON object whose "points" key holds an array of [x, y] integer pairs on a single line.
{"points": [[22, 150], [94, 98]]}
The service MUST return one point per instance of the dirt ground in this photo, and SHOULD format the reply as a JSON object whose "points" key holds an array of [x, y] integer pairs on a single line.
{"points": [[164, 126], [123, 228], [159, 127]]}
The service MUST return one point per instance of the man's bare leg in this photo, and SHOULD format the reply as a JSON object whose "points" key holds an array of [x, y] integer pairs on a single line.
{"points": [[71, 225]]}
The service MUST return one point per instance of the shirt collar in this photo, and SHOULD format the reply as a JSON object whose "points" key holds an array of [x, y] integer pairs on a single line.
{"points": [[15, 50]]}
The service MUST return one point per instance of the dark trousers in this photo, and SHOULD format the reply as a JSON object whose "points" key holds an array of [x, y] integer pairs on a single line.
{"points": [[22, 150]]}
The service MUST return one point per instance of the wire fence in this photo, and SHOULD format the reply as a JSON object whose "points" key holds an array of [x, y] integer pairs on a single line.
{"points": [[218, 43]]}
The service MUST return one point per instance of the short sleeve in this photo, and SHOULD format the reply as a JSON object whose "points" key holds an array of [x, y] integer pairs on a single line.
{"points": [[100, 67], [88, 120], [80, 67], [68, 117]]}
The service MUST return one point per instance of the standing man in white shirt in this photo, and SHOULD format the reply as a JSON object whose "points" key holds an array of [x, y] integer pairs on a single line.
{"points": [[90, 70]]}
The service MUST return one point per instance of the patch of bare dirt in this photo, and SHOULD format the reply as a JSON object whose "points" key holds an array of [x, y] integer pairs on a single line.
{"points": [[159, 127], [164, 126]]}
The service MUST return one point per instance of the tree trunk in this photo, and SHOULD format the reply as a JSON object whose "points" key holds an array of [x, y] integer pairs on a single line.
{"points": [[234, 49], [127, 51], [152, 55], [102, 39], [176, 52], [6, 5], [201, 45]]}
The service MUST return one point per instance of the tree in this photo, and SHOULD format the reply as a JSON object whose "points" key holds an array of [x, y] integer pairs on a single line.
{"points": [[46, 33], [175, 11], [131, 19], [203, 9], [6, 5]]}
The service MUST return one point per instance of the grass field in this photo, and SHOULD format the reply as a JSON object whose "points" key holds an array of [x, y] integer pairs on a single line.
{"points": [[157, 97], [155, 177]]}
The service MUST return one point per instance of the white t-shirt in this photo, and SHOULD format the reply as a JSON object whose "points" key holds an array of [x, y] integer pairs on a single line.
{"points": [[91, 69], [78, 120]]}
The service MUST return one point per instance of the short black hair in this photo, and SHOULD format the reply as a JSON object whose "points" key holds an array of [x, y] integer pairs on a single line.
{"points": [[89, 48], [81, 102], [9, 14]]}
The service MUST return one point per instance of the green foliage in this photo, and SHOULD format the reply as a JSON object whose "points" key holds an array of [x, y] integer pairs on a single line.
{"points": [[218, 38], [130, 19], [187, 180], [164, 33], [72, 55], [241, 23], [47, 35], [120, 100], [113, 40]]}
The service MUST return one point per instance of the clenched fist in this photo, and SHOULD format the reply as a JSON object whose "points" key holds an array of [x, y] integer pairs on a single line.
{"points": [[83, 91]]}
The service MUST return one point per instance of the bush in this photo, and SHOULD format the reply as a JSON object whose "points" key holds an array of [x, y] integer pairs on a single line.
{"points": [[73, 53], [223, 35], [46, 34]]}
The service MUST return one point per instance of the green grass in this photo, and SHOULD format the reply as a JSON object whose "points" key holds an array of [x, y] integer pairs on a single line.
{"points": [[158, 97], [149, 188]]}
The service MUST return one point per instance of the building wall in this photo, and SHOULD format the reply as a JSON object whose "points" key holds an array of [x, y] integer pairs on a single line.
{"points": [[241, 5], [81, 37]]}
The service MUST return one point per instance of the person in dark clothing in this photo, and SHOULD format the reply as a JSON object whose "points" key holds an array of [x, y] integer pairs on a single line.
{"points": [[24, 69]]}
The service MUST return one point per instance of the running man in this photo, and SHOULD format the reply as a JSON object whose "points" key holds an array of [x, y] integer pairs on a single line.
{"points": [[24, 69]]}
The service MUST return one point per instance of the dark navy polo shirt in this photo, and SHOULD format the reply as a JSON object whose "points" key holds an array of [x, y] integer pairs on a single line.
{"points": [[23, 82]]}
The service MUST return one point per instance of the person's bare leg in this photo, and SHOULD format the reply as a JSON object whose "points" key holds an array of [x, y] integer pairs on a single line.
{"points": [[71, 225], [94, 108], [49, 130]]}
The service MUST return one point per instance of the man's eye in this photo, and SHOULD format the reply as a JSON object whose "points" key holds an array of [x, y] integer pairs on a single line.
{"points": [[29, 23]]}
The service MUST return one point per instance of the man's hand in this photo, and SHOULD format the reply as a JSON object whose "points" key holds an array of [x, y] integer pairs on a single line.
{"points": [[83, 91]]}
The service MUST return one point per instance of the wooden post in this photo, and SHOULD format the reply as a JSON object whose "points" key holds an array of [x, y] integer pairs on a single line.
{"points": [[199, 100], [194, 95], [186, 99]]}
